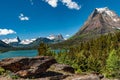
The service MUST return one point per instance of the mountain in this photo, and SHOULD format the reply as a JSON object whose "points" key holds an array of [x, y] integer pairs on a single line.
{"points": [[39, 40], [4, 46], [57, 38], [27, 41], [52, 39], [17, 43], [14, 40], [101, 21]]}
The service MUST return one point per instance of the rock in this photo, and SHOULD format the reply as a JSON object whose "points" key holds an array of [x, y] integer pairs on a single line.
{"points": [[60, 77], [86, 77], [101, 76], [98, 74], [15, 64], [62, 67], [27, 67]]}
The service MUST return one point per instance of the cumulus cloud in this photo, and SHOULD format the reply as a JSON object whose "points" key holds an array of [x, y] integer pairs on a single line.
{"points": [[23, 18], [53, 3], [7, 31], [71, 4]]}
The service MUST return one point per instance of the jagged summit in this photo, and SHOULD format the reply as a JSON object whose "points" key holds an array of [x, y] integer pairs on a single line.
{"points": [[56, 37], [101, 10], [107, 12]]}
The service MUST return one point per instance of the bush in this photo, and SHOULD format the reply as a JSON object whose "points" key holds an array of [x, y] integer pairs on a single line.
{"points": [[2, 70]]}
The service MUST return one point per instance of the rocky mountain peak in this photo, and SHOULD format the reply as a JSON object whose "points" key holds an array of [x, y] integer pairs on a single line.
{"points": [[56, 37], [101, 21], [18, 39], [106, 12], [101, 10]]}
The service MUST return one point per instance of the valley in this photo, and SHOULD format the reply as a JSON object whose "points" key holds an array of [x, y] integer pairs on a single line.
{"points": [[94, 49]]}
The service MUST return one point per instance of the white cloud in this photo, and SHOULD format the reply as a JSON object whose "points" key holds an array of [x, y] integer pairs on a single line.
{"points": [[53, 3], [27, 41], [23, 18], [7, 31], [71, 4]]}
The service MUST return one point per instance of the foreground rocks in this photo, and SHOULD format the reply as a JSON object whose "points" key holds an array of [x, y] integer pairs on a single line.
{"points": [[42, 68], [63, 68], [27, 67], [87, 77]]}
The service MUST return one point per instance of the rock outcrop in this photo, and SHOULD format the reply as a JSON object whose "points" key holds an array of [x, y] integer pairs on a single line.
{"points": [[27, 67], [62, 68]]}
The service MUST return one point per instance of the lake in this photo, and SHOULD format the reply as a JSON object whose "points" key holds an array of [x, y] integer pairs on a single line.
{"points": [[20, 53]]}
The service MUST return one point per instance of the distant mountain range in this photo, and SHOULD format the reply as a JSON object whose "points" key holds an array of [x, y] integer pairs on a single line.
{"points": [[30, 43]]}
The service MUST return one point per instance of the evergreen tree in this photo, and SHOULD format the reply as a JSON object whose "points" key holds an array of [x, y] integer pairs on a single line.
{"points": [[113, 64], [43, 49]]}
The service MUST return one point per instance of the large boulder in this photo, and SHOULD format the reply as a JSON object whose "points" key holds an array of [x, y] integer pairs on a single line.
{"points": [[27, 67]]}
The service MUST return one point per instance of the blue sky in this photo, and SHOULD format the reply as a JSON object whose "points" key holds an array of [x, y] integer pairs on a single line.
{"points": [[41, 18]]}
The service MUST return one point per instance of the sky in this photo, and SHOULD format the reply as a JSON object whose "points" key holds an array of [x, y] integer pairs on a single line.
{"points": [[40, 18]]}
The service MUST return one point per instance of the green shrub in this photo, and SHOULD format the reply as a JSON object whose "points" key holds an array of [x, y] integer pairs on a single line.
{"points": [[2, 70]]}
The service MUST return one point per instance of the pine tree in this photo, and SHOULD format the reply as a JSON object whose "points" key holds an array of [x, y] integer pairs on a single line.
{"points": [[43, 49], [113, 64]]}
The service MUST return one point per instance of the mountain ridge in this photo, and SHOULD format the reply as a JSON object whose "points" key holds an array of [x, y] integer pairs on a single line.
{"points": [[17, 43]]}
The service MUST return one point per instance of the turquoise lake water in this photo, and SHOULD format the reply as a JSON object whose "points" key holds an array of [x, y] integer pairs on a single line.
{"points": [[21, 53]]}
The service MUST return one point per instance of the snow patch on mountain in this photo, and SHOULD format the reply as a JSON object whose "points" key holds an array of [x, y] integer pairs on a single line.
{"points": [[51, 37], [101, 10], [55, 37], [27, 41], [106, 11], [7, 41]]}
